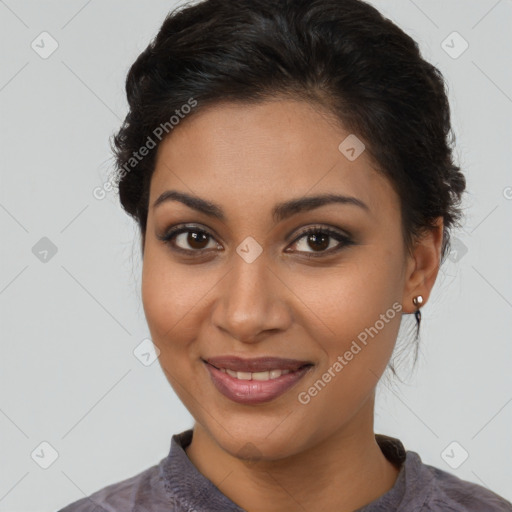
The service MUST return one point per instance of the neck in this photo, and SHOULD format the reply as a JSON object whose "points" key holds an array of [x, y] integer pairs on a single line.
{"points": [[343, 472]]}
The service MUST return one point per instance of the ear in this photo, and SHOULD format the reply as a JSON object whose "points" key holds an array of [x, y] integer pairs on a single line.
{"points": [[423, 266]]}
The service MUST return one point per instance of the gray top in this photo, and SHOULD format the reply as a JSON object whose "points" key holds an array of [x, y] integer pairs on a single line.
{"points": [[175, 485]]}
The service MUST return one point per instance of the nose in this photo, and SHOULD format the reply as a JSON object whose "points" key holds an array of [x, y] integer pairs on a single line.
{"points": [[251, 302]]}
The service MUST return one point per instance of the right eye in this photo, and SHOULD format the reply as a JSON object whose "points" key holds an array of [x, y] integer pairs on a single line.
{"points": [[192, 236]]}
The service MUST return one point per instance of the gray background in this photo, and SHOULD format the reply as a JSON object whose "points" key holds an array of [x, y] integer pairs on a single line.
{"points": [[70, 324]]}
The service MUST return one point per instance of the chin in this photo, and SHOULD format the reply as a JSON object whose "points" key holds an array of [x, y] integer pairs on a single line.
{"points": [[258, 441]]}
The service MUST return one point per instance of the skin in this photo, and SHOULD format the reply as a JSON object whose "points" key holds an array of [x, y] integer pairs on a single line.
{"points": [[321, 456]]}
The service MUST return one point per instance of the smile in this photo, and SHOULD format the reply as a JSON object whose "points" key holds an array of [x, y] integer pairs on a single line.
{"points": [[268, 375], [254, 381]]}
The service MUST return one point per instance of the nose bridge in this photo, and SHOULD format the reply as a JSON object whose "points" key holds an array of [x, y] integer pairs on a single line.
{"points": [[249, 302]]}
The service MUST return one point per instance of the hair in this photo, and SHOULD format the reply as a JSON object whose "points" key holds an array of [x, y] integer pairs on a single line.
{"points": [[343, 56]]}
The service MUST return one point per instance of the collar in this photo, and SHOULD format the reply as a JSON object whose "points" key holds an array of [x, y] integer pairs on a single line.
{"points": [[193, 491]]}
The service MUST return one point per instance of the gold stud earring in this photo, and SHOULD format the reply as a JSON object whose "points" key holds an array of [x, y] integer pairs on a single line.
{"points": [[418, 300]]}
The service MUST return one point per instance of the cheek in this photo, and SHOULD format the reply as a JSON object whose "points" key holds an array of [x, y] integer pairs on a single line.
{"points": [[170, 294], [355, 303], [169, 302]]}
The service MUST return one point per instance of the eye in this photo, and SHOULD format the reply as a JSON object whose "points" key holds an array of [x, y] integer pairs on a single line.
{"points": [[193, 240], [182, 236], [321, 238]]}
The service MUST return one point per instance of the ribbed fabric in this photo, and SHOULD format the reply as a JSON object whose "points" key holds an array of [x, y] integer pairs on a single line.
{"points": [[175, 485]]}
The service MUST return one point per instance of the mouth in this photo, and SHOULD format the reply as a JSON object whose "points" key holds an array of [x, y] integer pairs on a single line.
{"points": [[257, 380], [260, 368]]}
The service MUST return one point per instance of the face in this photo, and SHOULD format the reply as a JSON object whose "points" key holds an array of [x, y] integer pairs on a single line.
{"points": [[320, 284]]}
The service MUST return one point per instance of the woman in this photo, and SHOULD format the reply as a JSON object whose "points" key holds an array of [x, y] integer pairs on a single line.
{"points": [[289, 166]]}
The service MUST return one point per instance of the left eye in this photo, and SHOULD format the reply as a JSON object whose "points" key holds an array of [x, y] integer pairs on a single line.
{"points": [[320, 240]]}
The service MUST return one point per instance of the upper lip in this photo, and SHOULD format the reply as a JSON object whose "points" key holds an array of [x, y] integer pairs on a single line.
{"points": [[257, 364]]}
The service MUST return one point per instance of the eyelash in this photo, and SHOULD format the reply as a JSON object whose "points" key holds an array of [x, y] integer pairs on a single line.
{"points": [[170, 235]]}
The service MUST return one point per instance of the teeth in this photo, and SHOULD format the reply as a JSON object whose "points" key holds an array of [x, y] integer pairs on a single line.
{"points": [[268, 375]]}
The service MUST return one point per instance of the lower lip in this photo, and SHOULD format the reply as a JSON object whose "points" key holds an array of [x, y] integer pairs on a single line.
{"points": [[254, 391]]}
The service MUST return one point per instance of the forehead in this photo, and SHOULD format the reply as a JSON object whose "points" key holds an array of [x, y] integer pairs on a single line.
{"points": [[266, 152]]}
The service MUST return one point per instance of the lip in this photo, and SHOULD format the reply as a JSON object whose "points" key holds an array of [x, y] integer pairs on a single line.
{"points": [[255, 391], [257, 364]]}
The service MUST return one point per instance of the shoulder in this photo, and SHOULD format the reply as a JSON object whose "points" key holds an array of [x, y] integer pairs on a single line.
{"points": [[143, 491], [445, 492]]}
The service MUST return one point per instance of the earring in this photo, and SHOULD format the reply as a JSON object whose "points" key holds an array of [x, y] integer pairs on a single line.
{"points": [[418, 301]]}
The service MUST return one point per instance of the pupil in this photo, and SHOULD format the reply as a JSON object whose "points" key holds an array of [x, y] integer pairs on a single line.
{"points": [[193, 238], [315, 238]]}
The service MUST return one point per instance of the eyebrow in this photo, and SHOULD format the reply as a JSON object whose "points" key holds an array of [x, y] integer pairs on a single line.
{"points": [[280, 211]]}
